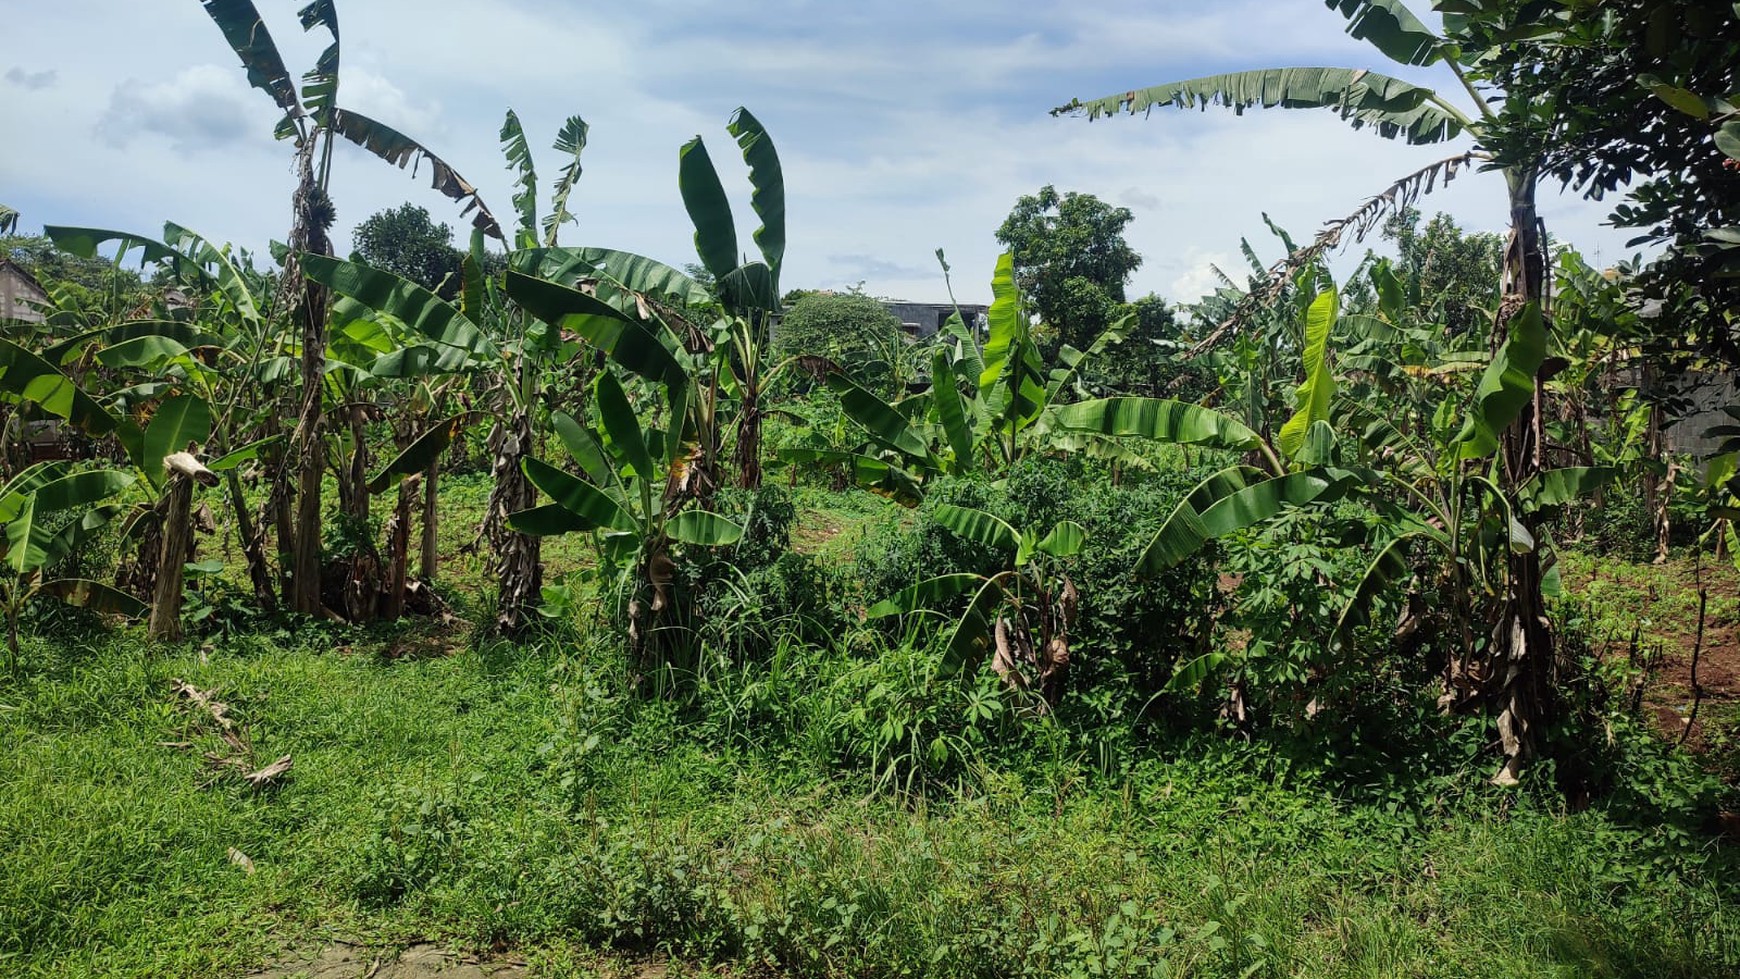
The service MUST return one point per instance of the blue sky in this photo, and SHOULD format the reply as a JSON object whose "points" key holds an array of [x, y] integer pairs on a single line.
{"points": [[903, 126]]}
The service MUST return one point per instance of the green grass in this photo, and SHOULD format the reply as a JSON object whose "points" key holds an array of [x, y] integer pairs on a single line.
{"points": [[514, 797]]}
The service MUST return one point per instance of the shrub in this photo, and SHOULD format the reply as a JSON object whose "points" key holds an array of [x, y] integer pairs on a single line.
{"points": [[852, 330]]}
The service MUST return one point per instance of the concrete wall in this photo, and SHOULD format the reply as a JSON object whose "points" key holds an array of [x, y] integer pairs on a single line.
{"points": [[17, 291], [923, 320]]}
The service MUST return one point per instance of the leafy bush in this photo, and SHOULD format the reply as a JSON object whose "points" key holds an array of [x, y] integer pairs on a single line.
{"points": [[852, 330]]}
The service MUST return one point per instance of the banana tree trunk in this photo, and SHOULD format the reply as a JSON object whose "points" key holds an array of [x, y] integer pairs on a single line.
{"points": [[1521, 669], [519, 557], [313, 212], [253, 546], [399, 551], [176, 546], [430, 557]]}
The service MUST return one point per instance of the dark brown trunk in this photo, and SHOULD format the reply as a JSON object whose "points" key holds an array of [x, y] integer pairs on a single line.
{"points": [[306, 442], [518, 557], [253, 546], [748, 459], [1521, 674]]}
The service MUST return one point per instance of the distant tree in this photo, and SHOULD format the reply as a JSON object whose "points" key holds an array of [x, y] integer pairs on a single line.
{"points": [[1146, 364], [1457, 272], [852, 330], [1071, 261], [405, 241]]}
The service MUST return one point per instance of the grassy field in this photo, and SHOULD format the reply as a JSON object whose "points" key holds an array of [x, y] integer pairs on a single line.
{"points": [[815, 811]]}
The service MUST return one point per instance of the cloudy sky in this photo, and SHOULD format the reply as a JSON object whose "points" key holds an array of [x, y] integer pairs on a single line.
{"points": [[903, 126]]}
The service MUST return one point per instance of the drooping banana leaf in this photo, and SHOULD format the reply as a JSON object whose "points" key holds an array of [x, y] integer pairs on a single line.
{"points": [[578, 497], [570, 142], [951, 412], [924, 596], [768, 179], [868, 472], [627, 341], [1557, 487], [1392, 28], [1174, 422], [12, 496], [1388, 567], [186, 336], [1363, 98], [85, 242], [1189, 526], [977, 526], [96, 596], [246, 454], [215, 263], [1318, 392], [422, 451], [709, 210], [415, 306], [549, 520], [26, 377], [1065, 540], [1190, 677], [320, 84], [881, 420], [242, 27], [971, 637], [627, 273], [702, 529], [623, 425], [586, 448], [402, 151]]}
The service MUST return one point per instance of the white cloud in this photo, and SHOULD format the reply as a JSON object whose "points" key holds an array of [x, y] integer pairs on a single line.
{"points": [[903, 126], [203, 107]]}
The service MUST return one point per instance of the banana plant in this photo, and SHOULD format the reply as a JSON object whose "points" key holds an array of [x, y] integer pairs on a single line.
{"points": [[985, 406], [1439, 489], [633, 499], [748, 291], [314, 120], [47, 512], [1020, 615]]}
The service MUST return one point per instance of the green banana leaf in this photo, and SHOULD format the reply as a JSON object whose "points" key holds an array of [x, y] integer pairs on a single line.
{"points": [[586, 448], [570, 142], [582, 499], [924, 596], [1318, 392], [881, 420], [178, 421], [1507, 387], [1175, 422], [417, 307], [96, 596], [422, 451], [27, 377], [1391, 28], [768, 179], [971, 637], [1388, 567], [709, 210], [1393, 107], [951, 412], [623, 425], [702, 529], [977, 526], [630, 343]]}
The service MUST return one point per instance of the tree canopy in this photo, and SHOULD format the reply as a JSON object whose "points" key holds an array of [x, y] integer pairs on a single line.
{"points": [[1071, 260]]}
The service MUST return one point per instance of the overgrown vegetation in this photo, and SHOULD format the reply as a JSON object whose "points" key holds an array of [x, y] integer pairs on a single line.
{"points": [[595, 605]]}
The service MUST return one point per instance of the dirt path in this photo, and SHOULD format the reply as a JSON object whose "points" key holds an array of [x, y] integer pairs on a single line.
{"points": [[345, 961]]}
